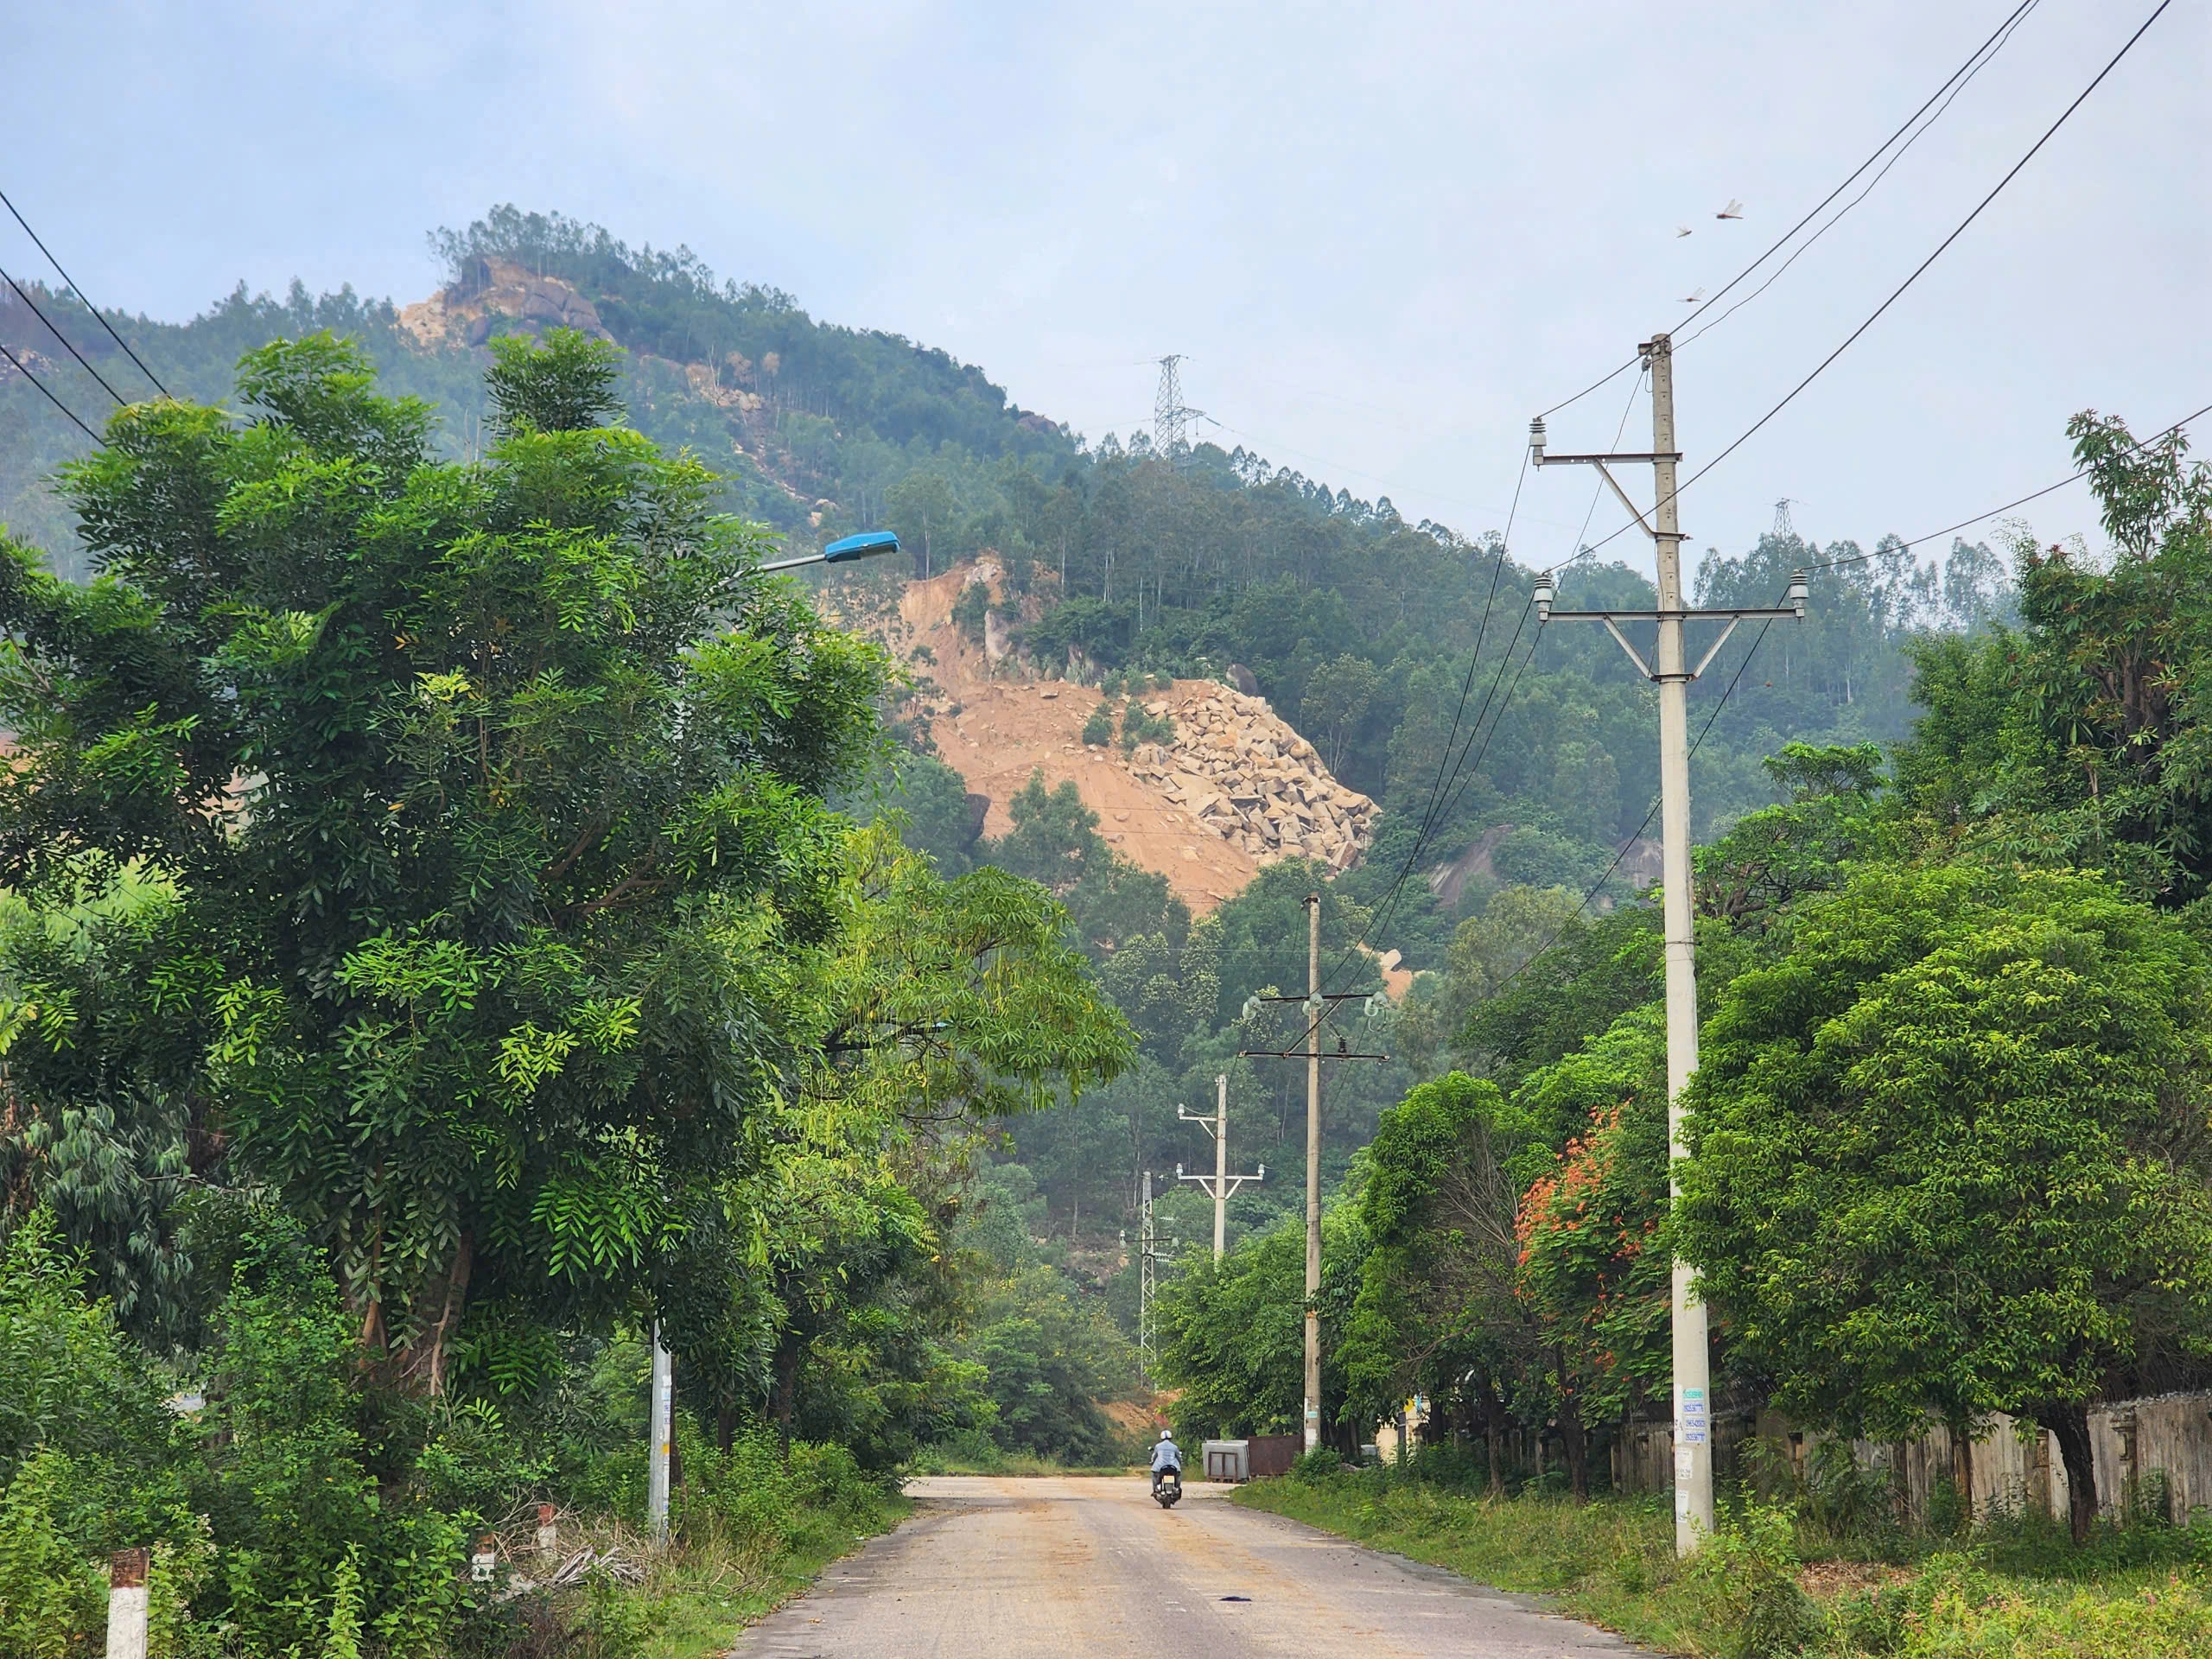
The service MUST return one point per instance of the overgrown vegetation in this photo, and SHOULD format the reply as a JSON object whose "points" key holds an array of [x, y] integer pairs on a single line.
{"points": [[428, 965], [1778, 1579]]}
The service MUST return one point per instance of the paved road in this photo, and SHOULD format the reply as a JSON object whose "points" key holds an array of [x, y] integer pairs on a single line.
{"points": [[991, 1569]]}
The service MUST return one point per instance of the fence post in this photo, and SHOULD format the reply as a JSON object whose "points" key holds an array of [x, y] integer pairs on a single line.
{"points": [[126, 1603]]}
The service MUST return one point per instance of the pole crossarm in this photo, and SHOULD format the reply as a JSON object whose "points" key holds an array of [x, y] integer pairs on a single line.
{"points": [[1300, 1054], [1206, 1183], [1792, 609]]}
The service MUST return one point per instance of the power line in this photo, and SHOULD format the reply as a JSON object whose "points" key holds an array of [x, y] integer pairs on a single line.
{"points": [[48, 394], [99, 315], [2021, 501], [1573, 915], [63, 338], [1897, 293], [1966, 69], [1987, 56], [1743, 437], [1449, 772], [1388, 903]]}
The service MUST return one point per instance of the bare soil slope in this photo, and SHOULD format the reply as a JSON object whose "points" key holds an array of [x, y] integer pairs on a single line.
{"points": [[1235, 790]]}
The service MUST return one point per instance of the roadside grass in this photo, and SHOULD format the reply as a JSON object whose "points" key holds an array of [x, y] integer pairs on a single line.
{"points": [[1774, 1583], [702, 1594]]}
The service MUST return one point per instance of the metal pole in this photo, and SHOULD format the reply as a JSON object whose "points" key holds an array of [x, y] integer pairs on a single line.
{"points": [[1220, 1164], [1692, 1353], [1312, 1170], [664, 1414]]}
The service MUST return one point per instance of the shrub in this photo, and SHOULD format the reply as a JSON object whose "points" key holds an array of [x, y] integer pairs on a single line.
{"points": [[1098, 730], [1748, 1572], [51, 1598]]}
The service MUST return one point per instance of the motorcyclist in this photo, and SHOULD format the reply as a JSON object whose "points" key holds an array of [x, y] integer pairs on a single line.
{"points": [[1166, 1455]]}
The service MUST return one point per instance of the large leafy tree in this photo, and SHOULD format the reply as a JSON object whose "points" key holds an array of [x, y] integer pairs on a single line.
{"points": [[1950, 1155], [2083, 739], [492, 795], [1436, 1313]]}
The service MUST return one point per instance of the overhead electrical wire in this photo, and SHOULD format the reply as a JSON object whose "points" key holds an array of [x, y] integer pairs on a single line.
{"points": [[1918, 270], [48, 393], [1760, 638], [1944, 94], [98, 314], [1949, 95], [1619, 857], [1964, 72], [63, 338], [1463, 772], [2018, 501]]}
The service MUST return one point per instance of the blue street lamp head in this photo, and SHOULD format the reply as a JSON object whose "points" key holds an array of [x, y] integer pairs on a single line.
{"points": [[866, 545]]}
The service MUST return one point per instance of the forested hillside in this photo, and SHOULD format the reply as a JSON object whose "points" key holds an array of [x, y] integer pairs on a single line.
{"points": [[1406, 653], [461, 917]]}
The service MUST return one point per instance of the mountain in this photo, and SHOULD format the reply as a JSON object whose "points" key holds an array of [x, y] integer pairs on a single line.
{"points": [[1403, 655]]}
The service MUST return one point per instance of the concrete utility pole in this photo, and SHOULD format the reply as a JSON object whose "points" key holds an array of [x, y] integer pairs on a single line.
{"points": [[1312, 1418], [661, 1432], [1221, 1184], [1691, 1350], [1316, 1005]]}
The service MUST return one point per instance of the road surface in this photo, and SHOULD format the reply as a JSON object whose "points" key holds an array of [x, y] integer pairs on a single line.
{"points": [[1071, 1567]]}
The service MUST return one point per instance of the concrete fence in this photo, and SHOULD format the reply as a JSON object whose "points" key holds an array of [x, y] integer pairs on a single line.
{"points": [[2014, 1464]]}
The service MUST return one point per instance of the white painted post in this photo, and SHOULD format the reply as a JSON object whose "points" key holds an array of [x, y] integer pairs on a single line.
{"points": [[126, 1603], [664, 1414]]}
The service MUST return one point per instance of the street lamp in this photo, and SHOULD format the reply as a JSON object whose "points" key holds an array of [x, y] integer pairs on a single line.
{"points": [[868, 544]]}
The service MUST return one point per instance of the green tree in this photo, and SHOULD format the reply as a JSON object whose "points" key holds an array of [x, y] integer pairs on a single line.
{"points": [[1055, 841], [1949, 1155], [493, 795], [1436, 1313], [1336, 697], [1233, 1333]]}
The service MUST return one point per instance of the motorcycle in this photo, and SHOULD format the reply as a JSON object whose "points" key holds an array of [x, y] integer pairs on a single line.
{"points": [[1167, 1487]]}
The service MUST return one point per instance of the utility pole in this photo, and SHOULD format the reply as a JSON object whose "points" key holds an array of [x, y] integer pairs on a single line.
{"points": [[1312, 1418], [1222, 1184], [1317, 1007], [1691, 1350], [661, 1432]]}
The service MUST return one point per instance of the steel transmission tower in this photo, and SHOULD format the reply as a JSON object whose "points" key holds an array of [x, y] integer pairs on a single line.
{"points": [[1170, 417], [1783, 529]]}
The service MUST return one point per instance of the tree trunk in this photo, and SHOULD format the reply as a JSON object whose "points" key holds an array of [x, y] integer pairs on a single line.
{"points": [[2069, 1427], [725, 1430], [786, 1395], [1573, 1440], [1962, 1470], [421, 1362], [1577, 1442], [1490, 1437]]}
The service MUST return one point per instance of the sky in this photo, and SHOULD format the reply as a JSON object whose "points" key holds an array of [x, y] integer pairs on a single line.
{"points": [[1382, 237]]}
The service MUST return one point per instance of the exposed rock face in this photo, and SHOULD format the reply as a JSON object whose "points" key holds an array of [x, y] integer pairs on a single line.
{"points": [[1249, 778], [492, 288]]}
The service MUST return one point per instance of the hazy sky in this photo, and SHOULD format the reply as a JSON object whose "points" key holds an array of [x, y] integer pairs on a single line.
{"points": [[1384, 236]]}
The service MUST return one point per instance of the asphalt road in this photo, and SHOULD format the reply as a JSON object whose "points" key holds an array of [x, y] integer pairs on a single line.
{"points": [[1069, 1567]]}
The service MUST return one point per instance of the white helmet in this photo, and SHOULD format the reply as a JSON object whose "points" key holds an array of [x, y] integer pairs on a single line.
{"points": [[1166, 1435]]}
